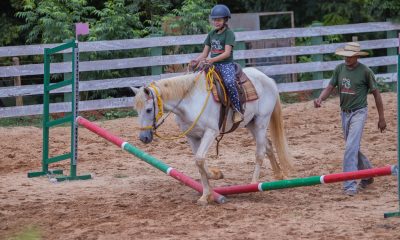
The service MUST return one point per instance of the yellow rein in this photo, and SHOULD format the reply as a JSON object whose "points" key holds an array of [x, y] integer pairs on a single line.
{"points": [[209, 84]]}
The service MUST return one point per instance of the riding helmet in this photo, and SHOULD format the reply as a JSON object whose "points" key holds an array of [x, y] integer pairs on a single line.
{"points": [[220, 11]]}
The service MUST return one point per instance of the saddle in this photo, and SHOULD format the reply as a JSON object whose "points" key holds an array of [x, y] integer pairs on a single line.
{"points": [[246, 91]]}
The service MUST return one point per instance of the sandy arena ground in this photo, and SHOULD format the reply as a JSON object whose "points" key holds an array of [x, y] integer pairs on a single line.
{"points": [[128, 199]]}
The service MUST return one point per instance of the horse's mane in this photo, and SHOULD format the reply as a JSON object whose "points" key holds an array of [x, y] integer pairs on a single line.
{"points": [[173, 88]]}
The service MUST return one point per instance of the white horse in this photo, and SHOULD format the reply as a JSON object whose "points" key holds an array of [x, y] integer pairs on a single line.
{"points": [[187, 96]]}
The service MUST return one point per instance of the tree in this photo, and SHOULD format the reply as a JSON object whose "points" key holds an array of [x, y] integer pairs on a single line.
{"points": [[53, 20], [191, 18]]}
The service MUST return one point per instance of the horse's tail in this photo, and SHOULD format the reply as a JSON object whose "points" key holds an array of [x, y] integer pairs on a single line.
{"points": [[279, 138]]}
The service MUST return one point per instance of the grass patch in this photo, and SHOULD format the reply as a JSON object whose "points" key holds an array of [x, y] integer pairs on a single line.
{"points": [[29, 233]]}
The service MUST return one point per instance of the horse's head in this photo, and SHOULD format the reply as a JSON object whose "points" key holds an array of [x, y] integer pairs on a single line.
{"points": [[147, 109]]}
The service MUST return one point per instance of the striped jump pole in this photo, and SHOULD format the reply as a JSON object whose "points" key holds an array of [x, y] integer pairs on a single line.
{"points": [[307, 181], [147, 158]]}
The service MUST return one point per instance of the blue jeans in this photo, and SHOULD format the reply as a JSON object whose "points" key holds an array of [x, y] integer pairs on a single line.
{"points": [[353, 126], [228, 71]]}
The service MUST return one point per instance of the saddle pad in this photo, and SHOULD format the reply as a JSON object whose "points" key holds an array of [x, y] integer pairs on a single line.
{"points": [[249, 91]]}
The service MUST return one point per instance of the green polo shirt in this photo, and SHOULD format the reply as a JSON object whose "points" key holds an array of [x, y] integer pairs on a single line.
{"points": [[217, 42], [354, 85]]}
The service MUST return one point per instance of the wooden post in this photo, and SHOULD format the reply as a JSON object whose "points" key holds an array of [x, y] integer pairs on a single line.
{"points": [[317, 57], [156, 51], [391, 51], [293, 44], [17, 82], [240, 46]]}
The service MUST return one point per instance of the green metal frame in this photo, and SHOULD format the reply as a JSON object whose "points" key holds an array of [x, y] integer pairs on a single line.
{"points": [[47, 123], [397, 214]]}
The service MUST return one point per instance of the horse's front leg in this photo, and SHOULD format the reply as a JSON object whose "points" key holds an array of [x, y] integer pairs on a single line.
{"points": [[200, 158]]}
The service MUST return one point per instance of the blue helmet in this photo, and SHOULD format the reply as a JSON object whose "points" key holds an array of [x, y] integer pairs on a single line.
{"points": [[220, 11]]}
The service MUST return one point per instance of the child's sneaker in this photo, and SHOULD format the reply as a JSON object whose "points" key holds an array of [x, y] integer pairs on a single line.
{"points": [[237, 117]]}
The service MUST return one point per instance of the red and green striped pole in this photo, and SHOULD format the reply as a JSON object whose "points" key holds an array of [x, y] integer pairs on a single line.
{"points": [[147, 158], [307, 181]]}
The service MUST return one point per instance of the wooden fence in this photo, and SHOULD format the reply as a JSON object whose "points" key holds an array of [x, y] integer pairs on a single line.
{"points": [[390, 43]]}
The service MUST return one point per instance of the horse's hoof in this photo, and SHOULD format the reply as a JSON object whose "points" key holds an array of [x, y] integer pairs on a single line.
{"points": [[280, 176], [205, 200], [216, 174]]}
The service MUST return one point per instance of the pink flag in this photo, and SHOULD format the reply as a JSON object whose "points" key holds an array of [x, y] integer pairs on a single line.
{"points": [[81, 28]]}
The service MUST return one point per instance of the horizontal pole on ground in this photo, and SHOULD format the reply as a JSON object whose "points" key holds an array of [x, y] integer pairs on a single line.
{"points": [[146, 157], [307, 181]]}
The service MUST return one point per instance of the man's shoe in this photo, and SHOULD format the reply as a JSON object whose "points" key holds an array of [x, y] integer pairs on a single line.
{"points": [[237, 117], [350, 192], [365, 182]]}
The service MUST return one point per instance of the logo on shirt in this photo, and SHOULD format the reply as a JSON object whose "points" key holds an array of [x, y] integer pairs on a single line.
{"points": [[216, 46], [346, 86]]}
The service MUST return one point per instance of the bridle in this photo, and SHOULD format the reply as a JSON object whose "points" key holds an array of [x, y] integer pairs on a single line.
{"points": [[157, 99]]}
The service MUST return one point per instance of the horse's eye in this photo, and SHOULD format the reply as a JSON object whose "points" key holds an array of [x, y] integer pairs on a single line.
{"points": [[149, 110]]}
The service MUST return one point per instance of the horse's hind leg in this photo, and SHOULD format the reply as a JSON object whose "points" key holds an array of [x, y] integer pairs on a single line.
{"points": [[276, 168], [263, 146], [205, 144], [259, 134]]}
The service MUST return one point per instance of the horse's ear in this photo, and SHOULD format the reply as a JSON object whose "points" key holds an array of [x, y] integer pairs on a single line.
{"points": [[147, 91], [135, 90]]}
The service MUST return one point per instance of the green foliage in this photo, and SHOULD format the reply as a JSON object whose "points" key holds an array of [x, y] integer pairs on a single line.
{"points": [[53, 20], [119, 19], [119, 113], [383, 9], [7, 27], [191, 18], [152, 11], [383, 86], [21, 121]]}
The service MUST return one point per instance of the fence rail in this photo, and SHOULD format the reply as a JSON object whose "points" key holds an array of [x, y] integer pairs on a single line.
{"points": [[114, 45], [127, 102], [37, 69], [157, 61]]}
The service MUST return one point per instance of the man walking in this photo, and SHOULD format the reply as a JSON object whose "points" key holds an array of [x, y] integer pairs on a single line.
{"points": [[354, 80]]}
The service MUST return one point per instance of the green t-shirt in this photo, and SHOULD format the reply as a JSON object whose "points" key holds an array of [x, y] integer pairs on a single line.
{"points": [[353, 85], [217, 42]]}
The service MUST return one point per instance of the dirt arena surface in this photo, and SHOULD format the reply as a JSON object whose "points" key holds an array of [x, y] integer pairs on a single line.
{"points": [[128, 199]]}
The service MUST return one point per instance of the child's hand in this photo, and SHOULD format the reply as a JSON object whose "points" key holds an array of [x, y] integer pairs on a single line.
{"points": [[194, 63]]}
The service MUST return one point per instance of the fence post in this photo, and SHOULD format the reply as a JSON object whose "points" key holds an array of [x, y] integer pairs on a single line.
{"points": [[318, 40], [240, 46], [391, 51], [17, 82], [156, 51]]}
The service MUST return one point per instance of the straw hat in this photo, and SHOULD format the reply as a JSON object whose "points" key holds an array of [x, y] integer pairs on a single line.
{"points": [[350, 49]]}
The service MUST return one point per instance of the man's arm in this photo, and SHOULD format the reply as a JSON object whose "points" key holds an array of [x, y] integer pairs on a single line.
{"points": [[324, 95], [379, 107]]}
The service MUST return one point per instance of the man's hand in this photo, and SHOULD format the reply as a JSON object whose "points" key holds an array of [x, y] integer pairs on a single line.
{"points": [[382, 124], [317, 102]]}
